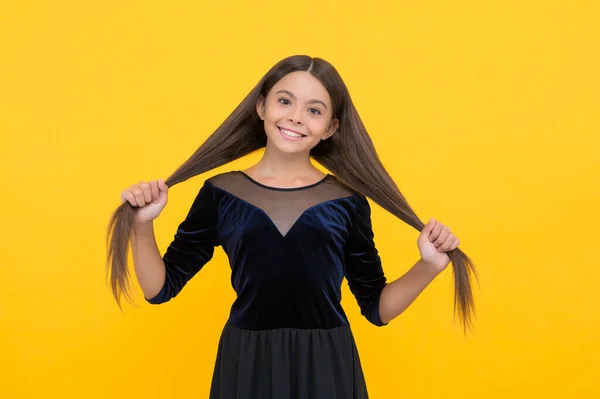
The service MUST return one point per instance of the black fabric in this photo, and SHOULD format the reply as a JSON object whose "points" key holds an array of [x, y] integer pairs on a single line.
{"points": [[289, 251], [288, 363]]}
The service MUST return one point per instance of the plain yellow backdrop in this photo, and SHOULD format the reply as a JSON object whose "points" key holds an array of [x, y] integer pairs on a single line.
{"points": [[487, 114]]}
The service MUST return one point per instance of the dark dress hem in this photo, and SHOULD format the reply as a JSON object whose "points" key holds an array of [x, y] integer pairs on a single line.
{"points": [[288, 363]]}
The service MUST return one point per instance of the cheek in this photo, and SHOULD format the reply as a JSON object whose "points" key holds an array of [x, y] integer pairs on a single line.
{"points": [[317, 127], [274, 113]]}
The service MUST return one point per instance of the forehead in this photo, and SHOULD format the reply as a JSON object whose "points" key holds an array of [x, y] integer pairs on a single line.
{"points": [[304, 86]]}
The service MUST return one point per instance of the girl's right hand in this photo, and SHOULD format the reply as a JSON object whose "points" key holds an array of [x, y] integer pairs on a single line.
{"points": [[149, 197]]}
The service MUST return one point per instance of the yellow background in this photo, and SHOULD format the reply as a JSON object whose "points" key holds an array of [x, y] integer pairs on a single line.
{"points": [[485, 113]]}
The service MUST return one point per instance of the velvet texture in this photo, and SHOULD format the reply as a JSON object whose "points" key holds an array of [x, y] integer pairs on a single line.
{"points": [[290, 280]]}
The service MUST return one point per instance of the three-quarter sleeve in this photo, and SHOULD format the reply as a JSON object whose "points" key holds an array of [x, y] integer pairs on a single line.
{"points": [[192, 246], [364, 271]]}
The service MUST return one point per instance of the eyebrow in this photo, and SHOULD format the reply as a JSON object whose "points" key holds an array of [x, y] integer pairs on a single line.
{"points": [[289, 93]]}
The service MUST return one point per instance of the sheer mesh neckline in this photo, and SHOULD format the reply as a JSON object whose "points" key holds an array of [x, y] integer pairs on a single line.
{"points": [[283, 206], [326, 177]]}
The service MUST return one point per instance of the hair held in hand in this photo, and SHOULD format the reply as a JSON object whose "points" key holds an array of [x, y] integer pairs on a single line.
{"points": [[349, 154]]}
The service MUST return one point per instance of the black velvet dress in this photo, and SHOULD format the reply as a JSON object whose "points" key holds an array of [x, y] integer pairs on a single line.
{"points": [[287, 335]]}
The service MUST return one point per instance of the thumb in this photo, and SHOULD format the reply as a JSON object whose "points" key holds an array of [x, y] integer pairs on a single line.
{"points": [[162, 187], [428, 228], [163, 190]]}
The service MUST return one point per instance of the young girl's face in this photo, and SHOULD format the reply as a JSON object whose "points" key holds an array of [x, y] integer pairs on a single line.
{"points": [[297, 113]]}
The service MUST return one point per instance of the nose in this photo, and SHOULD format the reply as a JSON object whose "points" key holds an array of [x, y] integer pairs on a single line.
{"points": [[295, 116]]}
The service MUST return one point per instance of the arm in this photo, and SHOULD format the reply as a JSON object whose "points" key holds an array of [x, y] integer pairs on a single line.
{"points": [[434, 241], [398, 295], [191, 248], [380, 301], [148, 264], [364, 272]]}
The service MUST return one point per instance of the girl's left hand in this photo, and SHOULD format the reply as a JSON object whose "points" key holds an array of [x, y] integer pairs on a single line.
{"points": [[434, 241]]}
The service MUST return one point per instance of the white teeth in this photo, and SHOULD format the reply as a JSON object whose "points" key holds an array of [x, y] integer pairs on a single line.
{"points": [[291, 134]]}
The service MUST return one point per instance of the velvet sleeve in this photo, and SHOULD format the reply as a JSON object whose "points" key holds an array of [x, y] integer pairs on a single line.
{"points": [[364, 272], [192, 246]]}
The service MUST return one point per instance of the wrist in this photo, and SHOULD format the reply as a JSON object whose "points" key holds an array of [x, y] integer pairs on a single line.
{"points": [[142, 227], [428, 268]]}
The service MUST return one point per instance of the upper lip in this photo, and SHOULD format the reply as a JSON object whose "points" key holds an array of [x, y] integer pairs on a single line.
{"points": [[291, 130]]}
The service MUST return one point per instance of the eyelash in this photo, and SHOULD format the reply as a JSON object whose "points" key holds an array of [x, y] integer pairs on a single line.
{"points": [[285, 99]]}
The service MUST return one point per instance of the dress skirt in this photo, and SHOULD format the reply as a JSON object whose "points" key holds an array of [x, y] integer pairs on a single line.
{"points": [[287, 363]]}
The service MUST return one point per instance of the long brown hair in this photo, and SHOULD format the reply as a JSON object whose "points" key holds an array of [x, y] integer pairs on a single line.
{"points": [[349, 154]]}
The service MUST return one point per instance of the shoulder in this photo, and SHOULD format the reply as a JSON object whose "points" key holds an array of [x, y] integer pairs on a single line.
{"points": [[222, 181], [361, 208], [207, 188], [226, 184], [356, 197], [226, 179]]}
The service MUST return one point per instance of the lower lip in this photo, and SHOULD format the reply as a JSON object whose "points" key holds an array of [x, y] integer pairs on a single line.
{"points": [[288, 137]]}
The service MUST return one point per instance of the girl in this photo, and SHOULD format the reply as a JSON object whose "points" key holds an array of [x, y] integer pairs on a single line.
{"points": [[292, 234]]}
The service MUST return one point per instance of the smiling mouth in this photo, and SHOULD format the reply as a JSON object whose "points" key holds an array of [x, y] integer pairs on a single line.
{"points": [[290, 133]]}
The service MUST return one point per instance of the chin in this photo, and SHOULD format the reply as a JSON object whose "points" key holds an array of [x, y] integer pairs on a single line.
{"points": [[288, 148]]}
